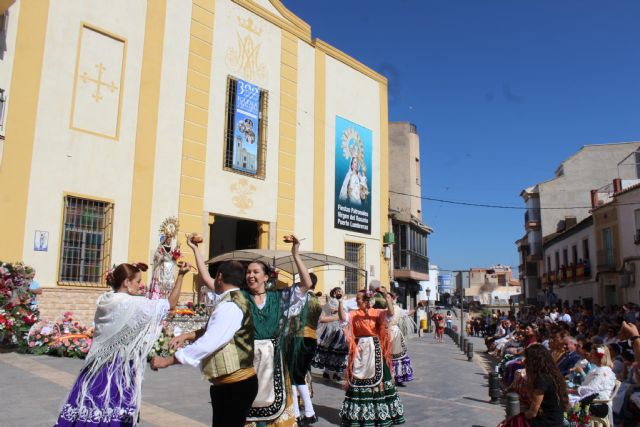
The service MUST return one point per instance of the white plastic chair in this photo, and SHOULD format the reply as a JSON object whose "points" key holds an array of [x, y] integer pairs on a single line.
{"points": [[608, 420]]}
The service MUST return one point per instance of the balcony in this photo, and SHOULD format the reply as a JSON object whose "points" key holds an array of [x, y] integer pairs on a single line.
{"points": [[568, 274], [411, 265]]}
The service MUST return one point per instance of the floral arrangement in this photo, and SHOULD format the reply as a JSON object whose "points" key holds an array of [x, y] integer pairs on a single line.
{"points": [[17, 314], [161, 347], [64, 337], [577, 416]]}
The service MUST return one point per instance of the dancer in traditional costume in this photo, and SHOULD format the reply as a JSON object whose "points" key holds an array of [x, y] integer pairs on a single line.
{"points": [[331, 354], [223, 350], [401, 326], [371, 398], [108, 389], [271, 310], [304, 345]]}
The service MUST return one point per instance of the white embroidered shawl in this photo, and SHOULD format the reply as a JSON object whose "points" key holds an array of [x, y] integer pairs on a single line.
{"points": [[126, 328]]}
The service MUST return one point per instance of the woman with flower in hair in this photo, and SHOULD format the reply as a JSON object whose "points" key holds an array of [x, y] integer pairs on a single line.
{"points": [[274, 350], [108, 390], [371, 398], [601, 380]]}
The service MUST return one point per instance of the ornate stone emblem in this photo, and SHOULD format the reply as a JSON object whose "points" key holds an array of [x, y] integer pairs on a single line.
{"points": [[245, 57], [242, 191]]}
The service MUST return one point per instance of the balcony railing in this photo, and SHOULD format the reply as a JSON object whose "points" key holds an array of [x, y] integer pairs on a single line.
{"points": [[410, 260], [568, 274]]}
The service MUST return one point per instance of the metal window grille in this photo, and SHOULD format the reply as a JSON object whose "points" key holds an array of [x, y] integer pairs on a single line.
{"points": [[229, 126], [353, 278], [86, 241]]}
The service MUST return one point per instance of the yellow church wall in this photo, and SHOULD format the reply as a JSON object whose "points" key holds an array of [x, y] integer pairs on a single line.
{"points": [[170, 123], [71, 157], [229, 193], [304, 191], [6, 64], [180, 171], [354, 97]]}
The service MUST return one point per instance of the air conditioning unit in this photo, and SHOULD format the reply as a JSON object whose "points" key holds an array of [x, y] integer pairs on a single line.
{"points": [[636, 237]]}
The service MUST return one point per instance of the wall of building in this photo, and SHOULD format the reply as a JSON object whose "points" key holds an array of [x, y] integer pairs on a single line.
{"points": [[590, 168], [344, 85], [7, 54], [575, 290], [628, 205], [84, 161], [404, 156]]}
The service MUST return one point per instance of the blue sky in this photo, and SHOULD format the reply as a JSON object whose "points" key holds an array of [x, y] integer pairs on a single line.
{"points": [[502, 91]]}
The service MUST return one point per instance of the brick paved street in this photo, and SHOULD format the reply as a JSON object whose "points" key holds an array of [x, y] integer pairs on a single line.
{"points": [[448, 390]]}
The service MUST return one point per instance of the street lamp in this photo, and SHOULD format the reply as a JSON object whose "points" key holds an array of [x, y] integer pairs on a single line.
{"points": [[428, 314]]}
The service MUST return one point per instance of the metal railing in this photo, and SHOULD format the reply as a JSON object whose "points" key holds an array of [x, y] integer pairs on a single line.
{"points": [[410, 260]]}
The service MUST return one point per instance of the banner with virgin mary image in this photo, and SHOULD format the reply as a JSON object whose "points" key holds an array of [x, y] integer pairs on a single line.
{"points": [[245, 130], [353, 177]]}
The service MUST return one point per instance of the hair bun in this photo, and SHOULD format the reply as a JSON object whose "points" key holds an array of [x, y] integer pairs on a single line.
{"points": [[141, 266]]}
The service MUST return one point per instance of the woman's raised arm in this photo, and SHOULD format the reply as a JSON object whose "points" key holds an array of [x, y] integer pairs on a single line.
{"points": [[305, 278]]}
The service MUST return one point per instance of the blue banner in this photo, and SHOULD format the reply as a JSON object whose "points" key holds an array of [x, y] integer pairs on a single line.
{"points": [[353, 179], [245, 129]]}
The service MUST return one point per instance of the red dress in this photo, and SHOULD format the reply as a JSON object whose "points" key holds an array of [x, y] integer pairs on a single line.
{"points": [[439, 323]]}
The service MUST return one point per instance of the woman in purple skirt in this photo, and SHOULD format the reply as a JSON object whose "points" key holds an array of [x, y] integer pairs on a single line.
{"points": [[108, 389]]}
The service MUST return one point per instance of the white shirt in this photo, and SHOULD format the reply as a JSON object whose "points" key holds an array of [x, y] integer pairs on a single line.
{"points": [[565, 318], [224, 322], [599, 380]]}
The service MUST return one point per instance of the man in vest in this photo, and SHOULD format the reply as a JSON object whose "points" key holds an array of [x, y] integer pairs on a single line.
{"points": [[223, 350]]}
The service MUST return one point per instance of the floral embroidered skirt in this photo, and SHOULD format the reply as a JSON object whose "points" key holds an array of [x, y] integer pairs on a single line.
{"points": [[371, 398], [402, 369], [119, 411]]}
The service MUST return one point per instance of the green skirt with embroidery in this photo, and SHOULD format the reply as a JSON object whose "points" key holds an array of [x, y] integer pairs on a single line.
{"points": [[377, 406]]}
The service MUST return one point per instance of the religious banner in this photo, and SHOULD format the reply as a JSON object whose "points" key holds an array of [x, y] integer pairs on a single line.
{"points": [[245, 130], [352, 177]]}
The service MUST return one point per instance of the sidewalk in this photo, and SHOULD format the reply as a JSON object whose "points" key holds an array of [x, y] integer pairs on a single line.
{"points": [[447, 390]]}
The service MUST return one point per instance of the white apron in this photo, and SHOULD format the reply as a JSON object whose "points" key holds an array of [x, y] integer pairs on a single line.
{"points": [[367, 363], [270, 402]]}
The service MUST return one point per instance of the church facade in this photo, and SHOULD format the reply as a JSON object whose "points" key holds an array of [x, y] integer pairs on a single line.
{"points": [[225, 113]]}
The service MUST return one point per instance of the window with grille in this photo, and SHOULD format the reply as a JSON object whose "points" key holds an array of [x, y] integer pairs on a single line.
{"points": [[230, 124], [354, 278], [86, 241]]}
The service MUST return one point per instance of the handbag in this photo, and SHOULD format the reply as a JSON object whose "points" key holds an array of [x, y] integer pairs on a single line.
{"points": [[600, 410], [515, 421]]}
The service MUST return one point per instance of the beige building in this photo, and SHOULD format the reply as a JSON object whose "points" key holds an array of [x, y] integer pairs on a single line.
{"points": [[492, 286], [616, 218], [590, 167], [120, 114], [410, 254]]}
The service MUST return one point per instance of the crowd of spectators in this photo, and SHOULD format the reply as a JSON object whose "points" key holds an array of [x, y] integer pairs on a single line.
{"points": [[595, 352]]}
